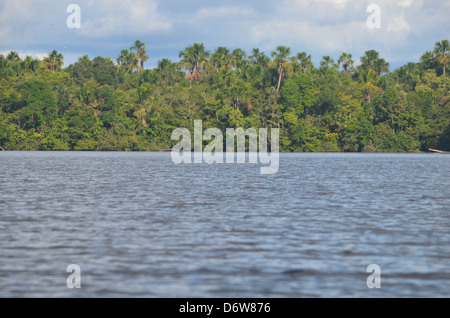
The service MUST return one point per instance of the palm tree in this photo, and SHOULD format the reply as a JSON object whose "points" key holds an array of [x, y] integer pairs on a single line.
{"points": [[59, 59], [259, 58], [193, 58], [31, 64], [168, 71], [369, 58], [237, 94], [441, 54], [144, 92], [305, 61], [327, 62], [84, 59], [200, 55], [35, 65], [54, 61], [346, 59], [108, 60], [368, 77], [3, 62], [14, 62], [13, 57], [141, 53], [253, 58], [221, 58], [187, 62], [239, 58], [381, 66], [127, 60], [428, 60], [280, 57]]}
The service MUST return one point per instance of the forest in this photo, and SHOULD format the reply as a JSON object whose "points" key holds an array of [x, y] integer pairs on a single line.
{"points": [[341, 105]]}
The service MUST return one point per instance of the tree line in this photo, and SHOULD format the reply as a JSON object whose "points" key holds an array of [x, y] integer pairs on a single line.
{"points": [[103, 105]]}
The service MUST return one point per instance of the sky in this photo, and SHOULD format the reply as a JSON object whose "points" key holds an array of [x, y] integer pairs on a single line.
{"points": [[408, 28]]}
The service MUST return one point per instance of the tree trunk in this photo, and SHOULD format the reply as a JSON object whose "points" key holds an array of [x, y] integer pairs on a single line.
{"points": [[280, 71]]}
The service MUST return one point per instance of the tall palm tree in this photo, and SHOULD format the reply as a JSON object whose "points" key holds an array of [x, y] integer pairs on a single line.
{"points": [[369, 58], [14, 62], [346, 59], [188, 59], [200, 55], [259, 58], [427, 60], [280, 57], [13, 57], [381, 66], [305, 61], [193, 57], [368, 78], [239, 58], [84, 59], [127, 60], [54, 61], [30, 64], [144, 92], [441, 54], [5, 66], [35, 65], [326, 62], [141, 53], [237, 93], [254, 56], [168, 71], [221, 58]]}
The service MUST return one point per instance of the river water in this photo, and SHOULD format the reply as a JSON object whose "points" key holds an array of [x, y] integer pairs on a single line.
{"points": [[139, 225]]}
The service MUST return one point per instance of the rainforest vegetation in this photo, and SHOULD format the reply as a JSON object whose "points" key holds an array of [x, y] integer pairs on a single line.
{"points": [[341, 105]]}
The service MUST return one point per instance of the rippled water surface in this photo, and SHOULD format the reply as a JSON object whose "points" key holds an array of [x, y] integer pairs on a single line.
{"points": [[140, 226]]}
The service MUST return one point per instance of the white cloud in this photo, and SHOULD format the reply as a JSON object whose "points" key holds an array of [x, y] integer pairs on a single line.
{"points": [[405, 3], [4, 32], [224, 12], [13, 9], [341, 4], [320, 27], [13, 12], [118, 17], [398, 24]]}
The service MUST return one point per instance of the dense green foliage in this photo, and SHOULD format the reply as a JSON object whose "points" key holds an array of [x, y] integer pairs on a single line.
{"points": [[98, 105]]}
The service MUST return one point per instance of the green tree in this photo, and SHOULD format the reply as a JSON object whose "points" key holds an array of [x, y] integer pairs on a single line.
{"points": [[441, 54], [346, 59], [141, 55], [37, 106], [280, 57], [368, 60], [326, 63], [127, 60], [381, 66], [259, 58], [305, 61], [193, 58], [221, 58], [168, 72], [54, 61]]}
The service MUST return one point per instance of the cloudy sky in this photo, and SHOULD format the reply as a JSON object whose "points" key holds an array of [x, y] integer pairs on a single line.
{"points": [[319, 27]]}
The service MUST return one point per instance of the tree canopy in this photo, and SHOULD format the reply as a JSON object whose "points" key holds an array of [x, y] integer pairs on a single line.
{"points": [[96, 104]]}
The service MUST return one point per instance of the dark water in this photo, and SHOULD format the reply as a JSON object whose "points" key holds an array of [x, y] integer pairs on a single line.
{"points": [[140, 226]]}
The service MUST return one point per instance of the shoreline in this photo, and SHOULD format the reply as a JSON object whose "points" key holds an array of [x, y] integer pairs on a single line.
{"points": [[432, 151]]}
